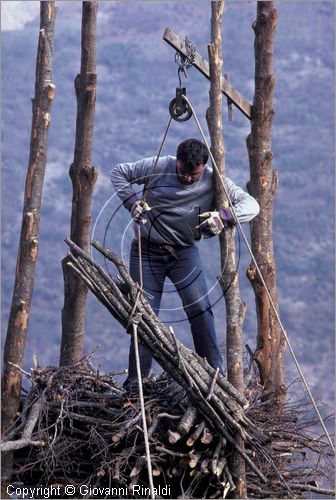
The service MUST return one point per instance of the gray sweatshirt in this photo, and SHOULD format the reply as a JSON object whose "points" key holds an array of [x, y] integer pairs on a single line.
{"points": [[175, 207]]}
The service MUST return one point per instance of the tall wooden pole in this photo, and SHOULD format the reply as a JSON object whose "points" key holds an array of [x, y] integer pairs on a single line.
{"points": [[235, 310], [30, 228], [83, 176], [262, 185]]}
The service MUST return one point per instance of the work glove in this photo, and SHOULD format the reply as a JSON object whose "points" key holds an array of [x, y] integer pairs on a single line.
{"points": [[137, 211], [213, 222]]}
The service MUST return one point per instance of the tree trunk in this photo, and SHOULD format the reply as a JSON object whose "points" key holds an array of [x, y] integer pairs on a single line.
{"points": [[83, 176], [235, 310], [30, 229], [262, 185]]}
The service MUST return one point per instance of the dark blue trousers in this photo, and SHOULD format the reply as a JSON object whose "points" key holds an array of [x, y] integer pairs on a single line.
{"points": [[187, 276]]}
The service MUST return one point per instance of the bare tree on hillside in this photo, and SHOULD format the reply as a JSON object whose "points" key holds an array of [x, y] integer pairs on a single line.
{"points": [[235, 310], [262, 185], [30, 228], [83, 176]]}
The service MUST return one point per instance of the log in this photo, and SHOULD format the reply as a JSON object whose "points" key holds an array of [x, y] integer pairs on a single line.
{"points": [[173, 436], [215, 456], [187, 420], [207, 436], [139, 464], [196, 434], [194, 459]]}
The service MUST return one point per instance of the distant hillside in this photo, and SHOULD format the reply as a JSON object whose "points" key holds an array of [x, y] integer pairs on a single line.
{"points": [[136, 80]]}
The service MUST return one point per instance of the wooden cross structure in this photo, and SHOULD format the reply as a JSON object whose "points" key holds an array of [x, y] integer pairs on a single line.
{"points": [[202, 65]]}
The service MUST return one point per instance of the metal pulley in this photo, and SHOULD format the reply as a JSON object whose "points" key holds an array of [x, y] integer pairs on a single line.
{"points": [[179, 109]]}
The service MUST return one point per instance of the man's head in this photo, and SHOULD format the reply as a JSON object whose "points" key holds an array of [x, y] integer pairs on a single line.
{"points": [[191, 157]]}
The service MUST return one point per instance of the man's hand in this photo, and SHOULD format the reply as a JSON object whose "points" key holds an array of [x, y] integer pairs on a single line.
{"points": [[213, 222], [137, 211]]}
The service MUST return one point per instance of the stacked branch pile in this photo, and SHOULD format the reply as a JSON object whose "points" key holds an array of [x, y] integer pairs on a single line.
{"points": [[77, 426]]}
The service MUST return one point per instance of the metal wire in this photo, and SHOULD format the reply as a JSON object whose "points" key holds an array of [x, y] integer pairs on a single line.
{"points": [[261, 278]]}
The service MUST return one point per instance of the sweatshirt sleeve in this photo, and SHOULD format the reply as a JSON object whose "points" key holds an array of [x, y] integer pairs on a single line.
{"points": [[124, 175], [246, 207]]}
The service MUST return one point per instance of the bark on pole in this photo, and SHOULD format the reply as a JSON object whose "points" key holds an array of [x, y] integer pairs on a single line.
{"points": [[235, 310], [270, 350], [83, 176], [30, 229]]}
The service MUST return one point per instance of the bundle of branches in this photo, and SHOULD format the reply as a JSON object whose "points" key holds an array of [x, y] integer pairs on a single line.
{"points": [[220, 403], [81, 428]]}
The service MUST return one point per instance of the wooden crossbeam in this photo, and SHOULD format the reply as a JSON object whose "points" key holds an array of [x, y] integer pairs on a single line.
{"points": [[178, 43]]}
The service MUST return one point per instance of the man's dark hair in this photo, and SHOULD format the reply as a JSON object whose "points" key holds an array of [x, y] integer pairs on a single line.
{"points": [[192, 153]]}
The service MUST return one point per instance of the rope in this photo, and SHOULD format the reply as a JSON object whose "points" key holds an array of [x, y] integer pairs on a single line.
{"points": [[138, 368], [262, 278], [143, 414], [146, 188]]}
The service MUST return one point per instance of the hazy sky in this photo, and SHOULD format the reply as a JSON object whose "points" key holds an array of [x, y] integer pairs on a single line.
{"points": [[14, 15]]}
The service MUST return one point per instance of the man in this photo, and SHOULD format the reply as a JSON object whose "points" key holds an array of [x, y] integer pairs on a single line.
{"points": [[178, 194]]}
